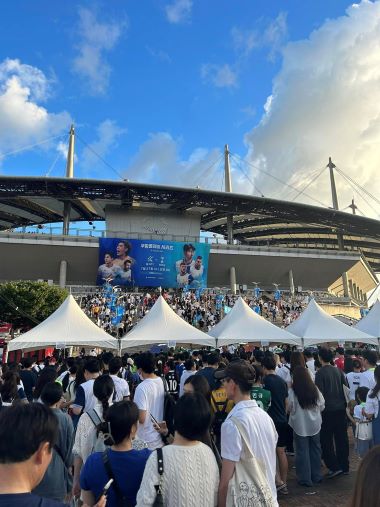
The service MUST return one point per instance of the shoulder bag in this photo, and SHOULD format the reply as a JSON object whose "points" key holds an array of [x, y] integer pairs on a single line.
{"points": [[248, 485]]}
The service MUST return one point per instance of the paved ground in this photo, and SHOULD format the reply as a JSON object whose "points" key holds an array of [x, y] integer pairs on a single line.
{"points": [[332, 492]]}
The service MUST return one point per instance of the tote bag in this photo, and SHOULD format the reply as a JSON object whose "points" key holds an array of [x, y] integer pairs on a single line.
{"points": [[249, 485]]}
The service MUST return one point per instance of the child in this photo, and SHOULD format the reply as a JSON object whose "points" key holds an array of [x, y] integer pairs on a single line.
{"points": [[363, 432]]}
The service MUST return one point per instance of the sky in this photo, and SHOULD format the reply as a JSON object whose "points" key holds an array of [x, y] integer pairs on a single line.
{"points": [[156, 88]]}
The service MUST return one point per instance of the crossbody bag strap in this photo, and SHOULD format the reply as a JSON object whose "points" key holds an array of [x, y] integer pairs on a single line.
{"points": [[244, 436], [160, 470], [120, 497]]}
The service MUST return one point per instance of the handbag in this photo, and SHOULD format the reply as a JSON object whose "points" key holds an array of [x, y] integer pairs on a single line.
{"points": [[249, 484], [363, 430], [159, 500]]}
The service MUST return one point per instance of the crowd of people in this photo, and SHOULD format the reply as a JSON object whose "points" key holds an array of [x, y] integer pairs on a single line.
{"points": [[187, 428], [201, 310]]}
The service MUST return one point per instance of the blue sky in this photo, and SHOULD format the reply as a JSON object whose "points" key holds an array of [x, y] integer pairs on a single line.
{"points": [[158, 87]]}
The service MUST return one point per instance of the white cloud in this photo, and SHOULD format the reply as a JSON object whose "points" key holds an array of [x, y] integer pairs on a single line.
{"points": [[159, 54], [245, 41], [158, 159], [275, 34], [23, 121], [96, 39], [107, 136], [221, 76], [179, 11], [325, 102]]}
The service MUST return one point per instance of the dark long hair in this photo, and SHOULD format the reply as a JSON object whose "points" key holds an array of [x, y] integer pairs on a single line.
{"points": [[103, 389], [9, 387], [366, 490], [376, 389], [296, 359], [304, 388]]}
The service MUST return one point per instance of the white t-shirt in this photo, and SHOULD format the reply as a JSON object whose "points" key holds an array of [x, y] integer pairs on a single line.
{"points": [[367, 379], [353, 379], [372, 405], [149, 396], [310, 365], [121, 388], [262, 435], [283, 371]]}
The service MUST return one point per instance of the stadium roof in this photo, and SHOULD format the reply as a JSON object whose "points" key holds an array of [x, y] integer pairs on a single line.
{"points": [[26, 201]]}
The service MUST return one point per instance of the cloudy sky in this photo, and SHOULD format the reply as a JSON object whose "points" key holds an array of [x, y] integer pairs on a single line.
{"points": [[156, 88]]}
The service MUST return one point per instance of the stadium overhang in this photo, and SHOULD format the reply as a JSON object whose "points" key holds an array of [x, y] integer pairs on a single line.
{"points": [[257, 221]]}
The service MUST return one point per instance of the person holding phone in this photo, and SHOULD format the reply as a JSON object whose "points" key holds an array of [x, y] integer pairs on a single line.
{"points": [[121, 463]]}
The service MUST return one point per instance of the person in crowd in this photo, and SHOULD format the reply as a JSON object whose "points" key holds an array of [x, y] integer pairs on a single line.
{"points": [[353, 378], [125, 464], [309, 358], [238, 378], [47, 375], [149, 397], [28, 377], [339, 359], [190, 369], [334, 438], [366, 490], [28, 433], [85, 398], [363, 430], [277, 411], [87, 430], [367, 378], [258, 393], [57, 481], [121, 385], [197, 487], [212, 364], [197, 384], [305, 404], [11, 392], [171, 379], [372, 407], [283, 368], [297, 359], [221, 406]]}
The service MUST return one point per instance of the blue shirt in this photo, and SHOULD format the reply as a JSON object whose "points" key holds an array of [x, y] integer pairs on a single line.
{"points": [[128, 469], [27, 500]]}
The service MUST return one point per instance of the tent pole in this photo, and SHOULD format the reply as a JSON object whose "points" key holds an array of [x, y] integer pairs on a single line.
{"points": [[119, 346], [303, 343]]}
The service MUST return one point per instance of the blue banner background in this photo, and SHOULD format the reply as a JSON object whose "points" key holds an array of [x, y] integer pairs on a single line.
{"points": [[152, 263]]}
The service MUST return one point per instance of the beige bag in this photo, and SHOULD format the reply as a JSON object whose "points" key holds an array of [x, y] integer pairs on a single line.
{"points": [[248, 486]]}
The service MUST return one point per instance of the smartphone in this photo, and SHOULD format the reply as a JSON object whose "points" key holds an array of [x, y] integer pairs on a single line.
{"points": [[154, 419], [106, 488]]}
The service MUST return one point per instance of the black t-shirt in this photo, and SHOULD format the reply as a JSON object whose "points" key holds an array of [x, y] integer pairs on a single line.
{"points": [[29, 379], [279, 393], [27, 500], [172, 382]]}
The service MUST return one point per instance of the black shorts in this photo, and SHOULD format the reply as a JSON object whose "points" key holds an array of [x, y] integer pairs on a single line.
{"points": [[282, 430]]}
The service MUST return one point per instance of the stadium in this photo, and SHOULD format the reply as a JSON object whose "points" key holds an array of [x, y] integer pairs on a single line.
{"points": [[253, 241]]}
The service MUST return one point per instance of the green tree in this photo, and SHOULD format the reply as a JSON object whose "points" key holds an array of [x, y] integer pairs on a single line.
{"points": [[25, 303]]}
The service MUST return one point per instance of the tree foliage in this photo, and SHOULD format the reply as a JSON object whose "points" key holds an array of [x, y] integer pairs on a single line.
{"points": [[26, 304]]}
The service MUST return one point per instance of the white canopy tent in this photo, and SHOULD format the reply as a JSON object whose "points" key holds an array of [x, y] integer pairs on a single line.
{"points": [[371, 322], [242, 324], [67, 326], [314, 326], [161, 325]]}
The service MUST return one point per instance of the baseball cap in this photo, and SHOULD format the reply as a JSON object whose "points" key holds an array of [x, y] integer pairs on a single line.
{"points": [[239, 371], [130, 361]]}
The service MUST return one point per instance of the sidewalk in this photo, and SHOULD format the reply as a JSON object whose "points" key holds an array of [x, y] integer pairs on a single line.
{"points": [[332, 492]]}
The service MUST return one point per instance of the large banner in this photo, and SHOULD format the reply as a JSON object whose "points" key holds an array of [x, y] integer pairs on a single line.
{"points": [[152, 263]]}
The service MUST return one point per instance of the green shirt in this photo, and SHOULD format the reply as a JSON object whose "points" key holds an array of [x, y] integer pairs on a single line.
{"points": [[261, 396]]}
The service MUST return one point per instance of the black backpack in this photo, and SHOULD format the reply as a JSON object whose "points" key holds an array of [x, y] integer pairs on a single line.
{"points": [[220, 414]]}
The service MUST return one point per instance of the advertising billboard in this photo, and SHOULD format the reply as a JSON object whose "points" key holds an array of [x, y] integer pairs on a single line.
{"points": [[152, 263]]}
